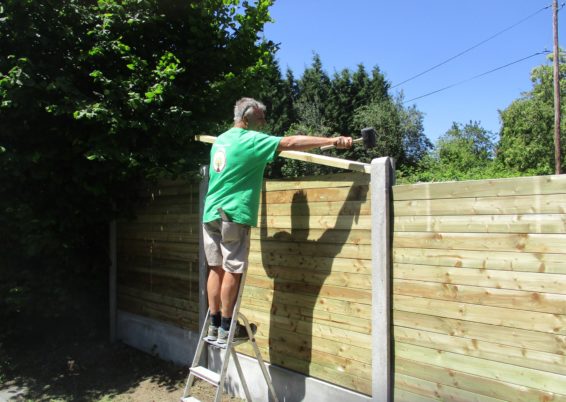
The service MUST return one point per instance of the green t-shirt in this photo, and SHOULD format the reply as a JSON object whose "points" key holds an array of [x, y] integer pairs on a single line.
{"points": [[237, 161]]}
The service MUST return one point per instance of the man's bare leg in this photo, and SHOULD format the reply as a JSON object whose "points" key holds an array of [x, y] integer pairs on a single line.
{"points": [[229, 292], [213, 287]]}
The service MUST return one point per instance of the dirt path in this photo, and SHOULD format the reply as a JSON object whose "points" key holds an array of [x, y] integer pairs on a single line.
{"points": [[92, 370]]}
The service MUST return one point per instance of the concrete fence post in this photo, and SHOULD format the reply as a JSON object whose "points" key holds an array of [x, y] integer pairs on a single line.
{"points": [[112, 304], [382, 179], [203, 269]]}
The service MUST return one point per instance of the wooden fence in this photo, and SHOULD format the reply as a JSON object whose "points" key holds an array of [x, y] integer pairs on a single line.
{"points": [[478, 282], [479, 290], [158, 256]]}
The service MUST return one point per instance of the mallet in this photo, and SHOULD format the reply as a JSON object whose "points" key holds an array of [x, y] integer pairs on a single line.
{"points": [[368, 138]]}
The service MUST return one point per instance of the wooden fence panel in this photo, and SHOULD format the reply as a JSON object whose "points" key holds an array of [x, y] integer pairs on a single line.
{"points": [[309, 280], [158, 256], [479, 290]]}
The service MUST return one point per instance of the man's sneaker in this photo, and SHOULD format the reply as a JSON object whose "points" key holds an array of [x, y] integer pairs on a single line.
{"points": [[240, 335], [212, 333]]}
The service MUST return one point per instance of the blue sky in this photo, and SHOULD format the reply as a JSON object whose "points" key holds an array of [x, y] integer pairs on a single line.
{"points": [[405, 38]]}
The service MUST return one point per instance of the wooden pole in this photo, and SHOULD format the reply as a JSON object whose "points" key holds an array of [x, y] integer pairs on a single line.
{"points": [[308, 157], [557, 109]]}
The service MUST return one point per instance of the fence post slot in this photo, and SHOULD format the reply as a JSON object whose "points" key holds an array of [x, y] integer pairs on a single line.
{"points": [[382, 179]]}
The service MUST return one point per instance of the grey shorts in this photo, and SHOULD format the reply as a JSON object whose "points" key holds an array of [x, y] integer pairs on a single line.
{"points": [[227, 244]]}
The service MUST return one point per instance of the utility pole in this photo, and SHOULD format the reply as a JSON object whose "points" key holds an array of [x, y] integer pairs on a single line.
{"points": [[557, 156]]}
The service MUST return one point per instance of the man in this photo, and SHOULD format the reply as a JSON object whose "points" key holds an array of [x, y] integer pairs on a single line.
{"points": [[238, 159]]}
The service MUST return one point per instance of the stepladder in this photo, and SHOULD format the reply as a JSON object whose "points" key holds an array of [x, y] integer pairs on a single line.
{"points": [[218, 379]]}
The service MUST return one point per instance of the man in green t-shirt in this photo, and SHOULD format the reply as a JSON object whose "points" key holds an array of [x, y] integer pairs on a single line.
{"points": [[237, 162]]}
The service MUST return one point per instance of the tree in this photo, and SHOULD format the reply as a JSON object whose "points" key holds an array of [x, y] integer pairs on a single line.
{"points": [[464, 152], [400, 131], [96, 96], [526, 139]]}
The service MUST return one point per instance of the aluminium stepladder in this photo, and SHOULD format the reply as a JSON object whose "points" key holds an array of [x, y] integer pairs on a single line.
{"points": [[217, 379]]}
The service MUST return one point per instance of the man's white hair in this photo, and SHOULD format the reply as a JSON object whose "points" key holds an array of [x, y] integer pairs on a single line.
{"points": [[246, 107]]}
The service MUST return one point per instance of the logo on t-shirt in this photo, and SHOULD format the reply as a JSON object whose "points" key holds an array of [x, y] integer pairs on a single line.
{"points": [[219, 160]]}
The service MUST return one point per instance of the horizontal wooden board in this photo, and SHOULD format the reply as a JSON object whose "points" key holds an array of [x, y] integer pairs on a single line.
{"points": [[185, 218], [401, 395], [499, 260], [498, 352], [320, 303], [188, 203], [311, 369], [326, 181], [487, 278], [272, 333], [166, 271], [307, 221], [311, 277], [473, 383], [320, 265], [536, 185], [520, 338], [166, 207], [175, 316], [313, 249], [512, 299], [157, 235], [190, 306], [184, 289], [190, 234], [434, 390], [487, 242], [331, 208], [301, 198], [549, 382], [362, 296], [532, 223], [157, 263], [309, 314], [522, 319], [516, 205], [309, 347], [334, 236], [165, 250]]}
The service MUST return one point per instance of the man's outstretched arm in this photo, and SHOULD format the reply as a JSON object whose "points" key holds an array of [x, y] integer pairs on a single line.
{"points": [[306, 142]]}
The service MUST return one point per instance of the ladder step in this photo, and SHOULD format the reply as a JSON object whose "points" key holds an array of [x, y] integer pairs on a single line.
{"points": [[205, 374], [223, 345], [190, 399]]}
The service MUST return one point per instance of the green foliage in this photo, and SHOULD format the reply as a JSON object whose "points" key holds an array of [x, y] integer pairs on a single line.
{"points": [[527, 134], [97, 96], [465, 152], [343, 105]]}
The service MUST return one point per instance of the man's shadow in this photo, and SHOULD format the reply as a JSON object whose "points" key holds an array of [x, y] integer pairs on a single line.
{"points": [[297, 281]]}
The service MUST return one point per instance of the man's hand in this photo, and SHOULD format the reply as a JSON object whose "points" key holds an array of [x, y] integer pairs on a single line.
{"points": [[343, 142]]}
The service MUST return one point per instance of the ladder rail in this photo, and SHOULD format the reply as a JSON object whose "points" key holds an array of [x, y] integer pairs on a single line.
{"points": [[259, 358], [230, 351], [198, 353], [241, 375]]}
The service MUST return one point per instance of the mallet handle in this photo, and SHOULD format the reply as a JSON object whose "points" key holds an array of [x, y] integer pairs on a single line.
{"points": [[324, 148], [308, 157]]}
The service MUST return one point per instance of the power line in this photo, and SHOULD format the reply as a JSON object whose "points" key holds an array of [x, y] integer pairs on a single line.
{"points": [[477, 76], [473, 47]]}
